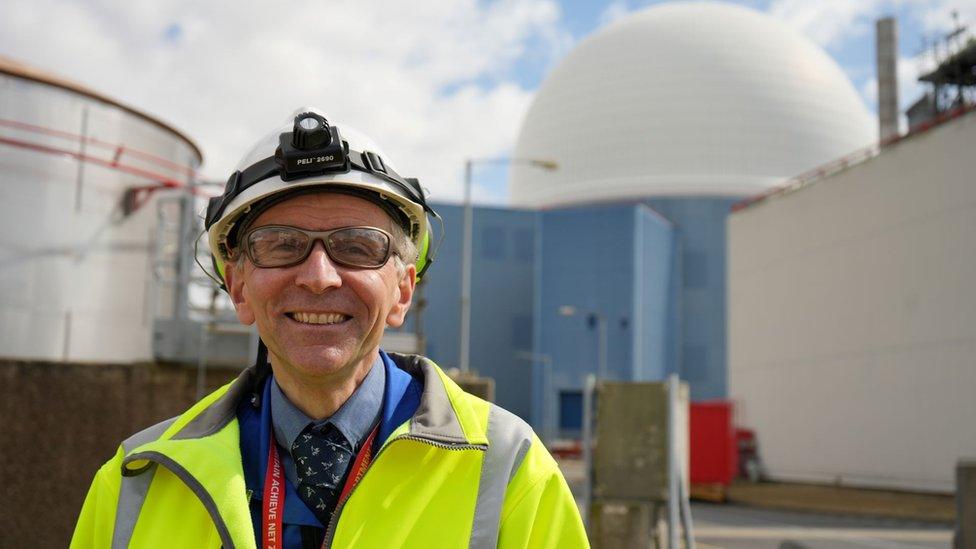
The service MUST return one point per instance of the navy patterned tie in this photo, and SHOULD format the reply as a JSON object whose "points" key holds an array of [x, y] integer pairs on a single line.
{"points": [[322, 456]]}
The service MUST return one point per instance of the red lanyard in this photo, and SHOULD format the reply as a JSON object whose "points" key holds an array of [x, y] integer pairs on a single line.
{"points": [[274, 503], [363, 459], [274, 487]]}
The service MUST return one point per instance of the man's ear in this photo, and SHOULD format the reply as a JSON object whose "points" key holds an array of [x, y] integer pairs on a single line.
{"points": [[234, 280], [403, 297]]}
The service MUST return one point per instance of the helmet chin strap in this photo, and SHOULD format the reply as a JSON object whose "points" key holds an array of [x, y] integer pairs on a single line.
{"points": [[262, 357], [263, 369]]}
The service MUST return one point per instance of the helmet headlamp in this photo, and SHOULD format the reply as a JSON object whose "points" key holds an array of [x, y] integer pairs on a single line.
{"points": [[312, 148]]}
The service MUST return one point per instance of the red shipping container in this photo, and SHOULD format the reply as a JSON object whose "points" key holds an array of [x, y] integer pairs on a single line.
{"points": [[714, 454]]}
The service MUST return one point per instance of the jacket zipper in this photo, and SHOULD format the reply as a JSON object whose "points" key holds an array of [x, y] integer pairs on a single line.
{"points": [[334, 521]]}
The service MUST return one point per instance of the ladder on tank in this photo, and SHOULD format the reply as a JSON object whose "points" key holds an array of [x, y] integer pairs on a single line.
{"points": [[189, 309]]}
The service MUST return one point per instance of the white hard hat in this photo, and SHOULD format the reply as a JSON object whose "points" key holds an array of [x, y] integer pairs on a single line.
{"points": [[309, 154]]}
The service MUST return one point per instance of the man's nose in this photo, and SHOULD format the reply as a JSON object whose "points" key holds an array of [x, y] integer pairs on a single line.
{"points": [[318, 273]]}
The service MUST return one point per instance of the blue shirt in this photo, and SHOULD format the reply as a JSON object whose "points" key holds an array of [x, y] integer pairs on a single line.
{"points": [[400, 399], [353, 419]]}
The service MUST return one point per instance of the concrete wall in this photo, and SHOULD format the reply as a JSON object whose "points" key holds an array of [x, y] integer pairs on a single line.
{"points": [[59, 423], [852, 318]]}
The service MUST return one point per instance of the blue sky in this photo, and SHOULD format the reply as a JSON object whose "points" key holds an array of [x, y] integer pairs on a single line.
{"points": [[433, 81]]}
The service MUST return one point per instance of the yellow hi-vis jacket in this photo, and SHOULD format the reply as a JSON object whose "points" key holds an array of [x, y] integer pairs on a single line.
{"points": [[460, 473]]}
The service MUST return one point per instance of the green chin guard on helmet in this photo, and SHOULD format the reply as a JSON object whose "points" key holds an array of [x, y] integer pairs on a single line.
{"points": [[310, 155]]}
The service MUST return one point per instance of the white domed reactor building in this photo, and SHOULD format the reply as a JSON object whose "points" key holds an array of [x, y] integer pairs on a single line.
{"points": [[686, 99]]}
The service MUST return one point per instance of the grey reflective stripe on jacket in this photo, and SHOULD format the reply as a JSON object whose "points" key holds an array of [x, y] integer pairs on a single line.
{"points": [[509, 439], [133, 490]]}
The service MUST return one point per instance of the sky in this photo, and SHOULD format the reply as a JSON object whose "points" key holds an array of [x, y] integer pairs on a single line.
{"points": [[432, 81]]}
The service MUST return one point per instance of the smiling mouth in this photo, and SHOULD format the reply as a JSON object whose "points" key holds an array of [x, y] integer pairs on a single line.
{"points": [[319, 318]]}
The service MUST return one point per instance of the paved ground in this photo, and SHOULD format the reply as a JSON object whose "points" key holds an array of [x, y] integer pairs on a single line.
{"points": [[804, 517], [839, 500], [736, 526]]}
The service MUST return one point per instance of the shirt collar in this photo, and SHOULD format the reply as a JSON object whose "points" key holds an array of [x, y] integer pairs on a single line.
{"points": [[353, 419]]}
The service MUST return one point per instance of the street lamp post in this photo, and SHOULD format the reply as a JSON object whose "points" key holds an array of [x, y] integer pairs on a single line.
{"points": [[465, 344], [589, 388], [465, 337]]}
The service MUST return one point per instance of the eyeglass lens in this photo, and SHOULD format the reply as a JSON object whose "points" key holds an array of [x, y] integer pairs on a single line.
{"points": [[278, 246]]}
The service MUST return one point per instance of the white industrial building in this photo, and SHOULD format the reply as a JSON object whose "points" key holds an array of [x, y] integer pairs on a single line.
{"points": [[84, 253], [852, 317]]}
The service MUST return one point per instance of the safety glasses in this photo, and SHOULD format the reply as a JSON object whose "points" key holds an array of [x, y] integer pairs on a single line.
{"points": [[283, 246]]}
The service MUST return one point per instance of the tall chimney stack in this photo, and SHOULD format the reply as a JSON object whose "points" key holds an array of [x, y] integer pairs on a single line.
{"points": [[887, 51]]}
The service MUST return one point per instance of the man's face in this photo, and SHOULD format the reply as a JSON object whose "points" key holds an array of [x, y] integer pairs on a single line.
{"points": [[356, 304]]}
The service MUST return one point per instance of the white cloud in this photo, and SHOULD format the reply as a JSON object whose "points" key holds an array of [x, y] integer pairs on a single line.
{"points": [[489, 195], [614, 11], [827, 22], [831, 22], [937, 15], [909, 88], [428, 80]]}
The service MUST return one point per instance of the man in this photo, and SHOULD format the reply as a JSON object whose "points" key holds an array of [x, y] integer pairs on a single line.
{"points": [[327, 440]]}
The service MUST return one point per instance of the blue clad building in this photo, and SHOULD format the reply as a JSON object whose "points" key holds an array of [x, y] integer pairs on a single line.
{"points": [[613, 268], [503, 281], [699, 329], [546, 283]]}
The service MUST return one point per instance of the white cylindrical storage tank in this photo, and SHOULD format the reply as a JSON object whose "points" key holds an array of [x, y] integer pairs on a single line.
{"points": [[686, 99], [76, 278]]}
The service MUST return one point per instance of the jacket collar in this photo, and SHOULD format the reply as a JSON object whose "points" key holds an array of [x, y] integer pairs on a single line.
{"points": [[444, 415]]}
